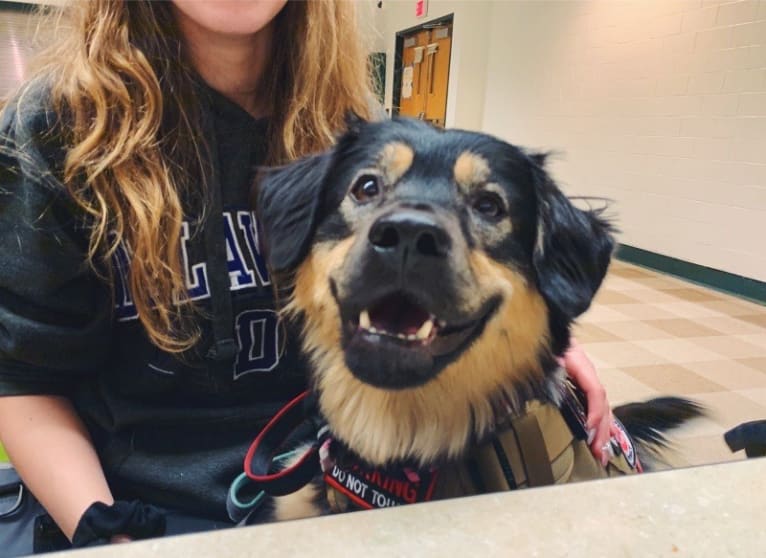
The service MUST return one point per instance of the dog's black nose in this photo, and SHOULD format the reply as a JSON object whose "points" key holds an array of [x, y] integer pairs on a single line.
{"points": [[410, 231]]}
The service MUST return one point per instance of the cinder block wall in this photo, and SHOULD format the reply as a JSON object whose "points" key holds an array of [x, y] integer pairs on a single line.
{"points": [[659, 105], [16, 38]]}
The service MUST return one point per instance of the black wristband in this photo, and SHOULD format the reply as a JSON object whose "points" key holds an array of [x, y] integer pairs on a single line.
{"points": [[100, 523]]}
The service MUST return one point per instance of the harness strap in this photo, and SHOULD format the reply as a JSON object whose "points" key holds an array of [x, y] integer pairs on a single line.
{"points": [[260, 455], [533, 450], [505, 464]]}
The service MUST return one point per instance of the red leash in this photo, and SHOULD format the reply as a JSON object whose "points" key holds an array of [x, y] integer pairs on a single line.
{"points": [[260, 455]]}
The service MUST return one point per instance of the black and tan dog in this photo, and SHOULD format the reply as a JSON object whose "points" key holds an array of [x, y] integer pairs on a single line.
{"points": [[437, 274]]}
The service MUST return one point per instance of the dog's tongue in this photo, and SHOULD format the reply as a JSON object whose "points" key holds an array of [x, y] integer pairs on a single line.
{"points": [[397, 314]]}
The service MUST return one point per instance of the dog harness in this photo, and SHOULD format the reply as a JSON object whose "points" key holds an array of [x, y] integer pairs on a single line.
{"points": [[544, 445], [535, 449]]}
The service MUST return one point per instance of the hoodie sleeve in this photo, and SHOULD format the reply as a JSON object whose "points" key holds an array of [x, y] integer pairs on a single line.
{"points": [[55, 313]]}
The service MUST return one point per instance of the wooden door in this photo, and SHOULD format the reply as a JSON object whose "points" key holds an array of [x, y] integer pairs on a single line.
{"points": [[413, 93], [437, 56], [425, 74]]}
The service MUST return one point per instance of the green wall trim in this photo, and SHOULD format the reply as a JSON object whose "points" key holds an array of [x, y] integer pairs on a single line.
{"points": [[17, 6], [714, 278]]}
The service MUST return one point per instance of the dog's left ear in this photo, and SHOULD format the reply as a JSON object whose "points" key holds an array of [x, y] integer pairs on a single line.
{"points": [[287, 201], [572, 250]]}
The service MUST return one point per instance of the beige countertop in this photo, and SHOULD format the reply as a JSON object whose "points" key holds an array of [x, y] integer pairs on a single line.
{"points": [[717, 510]]}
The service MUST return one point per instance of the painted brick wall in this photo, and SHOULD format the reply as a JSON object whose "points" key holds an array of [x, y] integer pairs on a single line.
{"points": [[16, 34], [659, 105]]}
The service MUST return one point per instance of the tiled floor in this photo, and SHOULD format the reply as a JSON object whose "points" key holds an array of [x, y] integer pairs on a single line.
{"points": [[650, 334]]}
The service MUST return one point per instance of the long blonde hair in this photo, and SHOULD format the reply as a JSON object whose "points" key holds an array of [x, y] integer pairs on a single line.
{"points": [[120, 76]]}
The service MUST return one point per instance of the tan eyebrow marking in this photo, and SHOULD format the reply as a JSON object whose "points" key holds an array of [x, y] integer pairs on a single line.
{"points": [[470, 169], [395, 160]]}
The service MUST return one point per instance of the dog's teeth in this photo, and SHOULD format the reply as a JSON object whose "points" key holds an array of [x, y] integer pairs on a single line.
{"points": [[441, 323], [411, 337], [425, 330], [401, 336], [372, 329], [364, 319]]}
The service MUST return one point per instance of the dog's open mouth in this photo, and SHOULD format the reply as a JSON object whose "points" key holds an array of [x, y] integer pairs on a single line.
{"points": [[398, 318], [395, 342]]}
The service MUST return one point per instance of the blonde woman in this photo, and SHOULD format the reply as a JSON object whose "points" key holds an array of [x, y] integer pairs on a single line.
{"points": [[139, 344]]}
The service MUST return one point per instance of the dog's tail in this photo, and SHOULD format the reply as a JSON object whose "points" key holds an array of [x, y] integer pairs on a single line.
{"points": [[648, 422]]}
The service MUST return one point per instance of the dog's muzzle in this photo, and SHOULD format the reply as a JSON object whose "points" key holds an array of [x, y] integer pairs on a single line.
{"points": [[406, 301]]}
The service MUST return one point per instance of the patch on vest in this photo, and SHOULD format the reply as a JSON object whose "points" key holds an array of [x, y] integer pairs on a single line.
{"points": [[622, 441], [371, 488]]}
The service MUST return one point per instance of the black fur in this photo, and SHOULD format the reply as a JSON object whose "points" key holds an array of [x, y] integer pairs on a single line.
{"points": [[572, 253], [288, 202], [648, 421]]}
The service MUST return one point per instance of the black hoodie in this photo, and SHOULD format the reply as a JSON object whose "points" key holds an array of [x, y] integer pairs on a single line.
{"points": [[169, 430]]}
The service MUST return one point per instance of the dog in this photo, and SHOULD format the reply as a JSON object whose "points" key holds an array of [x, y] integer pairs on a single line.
{"points": [[437, 275]]}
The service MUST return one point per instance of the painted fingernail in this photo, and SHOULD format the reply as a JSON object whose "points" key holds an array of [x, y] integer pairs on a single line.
{"points": [[591, 435], [604, 459]]}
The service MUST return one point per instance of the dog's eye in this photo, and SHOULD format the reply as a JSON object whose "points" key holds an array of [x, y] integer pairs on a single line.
{"points": [[365, 188], [488, 204]]}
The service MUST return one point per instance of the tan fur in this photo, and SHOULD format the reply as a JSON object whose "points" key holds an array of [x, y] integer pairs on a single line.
{"points": [[395, 160], [470, 169], [299, 504], [312, 295], [438, 418]]}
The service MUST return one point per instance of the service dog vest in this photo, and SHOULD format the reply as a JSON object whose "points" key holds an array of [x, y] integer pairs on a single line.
{"points": [[536, 448], [543, 445]]}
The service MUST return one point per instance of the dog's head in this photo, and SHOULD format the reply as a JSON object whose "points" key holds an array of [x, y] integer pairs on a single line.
{"points": [[437, 274]]}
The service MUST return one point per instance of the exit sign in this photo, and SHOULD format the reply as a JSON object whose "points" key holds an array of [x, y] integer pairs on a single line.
{"points": [[421, 8]]}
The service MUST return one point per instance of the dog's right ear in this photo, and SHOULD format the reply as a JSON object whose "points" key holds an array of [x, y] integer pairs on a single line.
{"points": [[287, 201]]}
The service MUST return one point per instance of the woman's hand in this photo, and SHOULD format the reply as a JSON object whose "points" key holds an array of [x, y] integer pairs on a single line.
{"points": [[599, 423]]}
